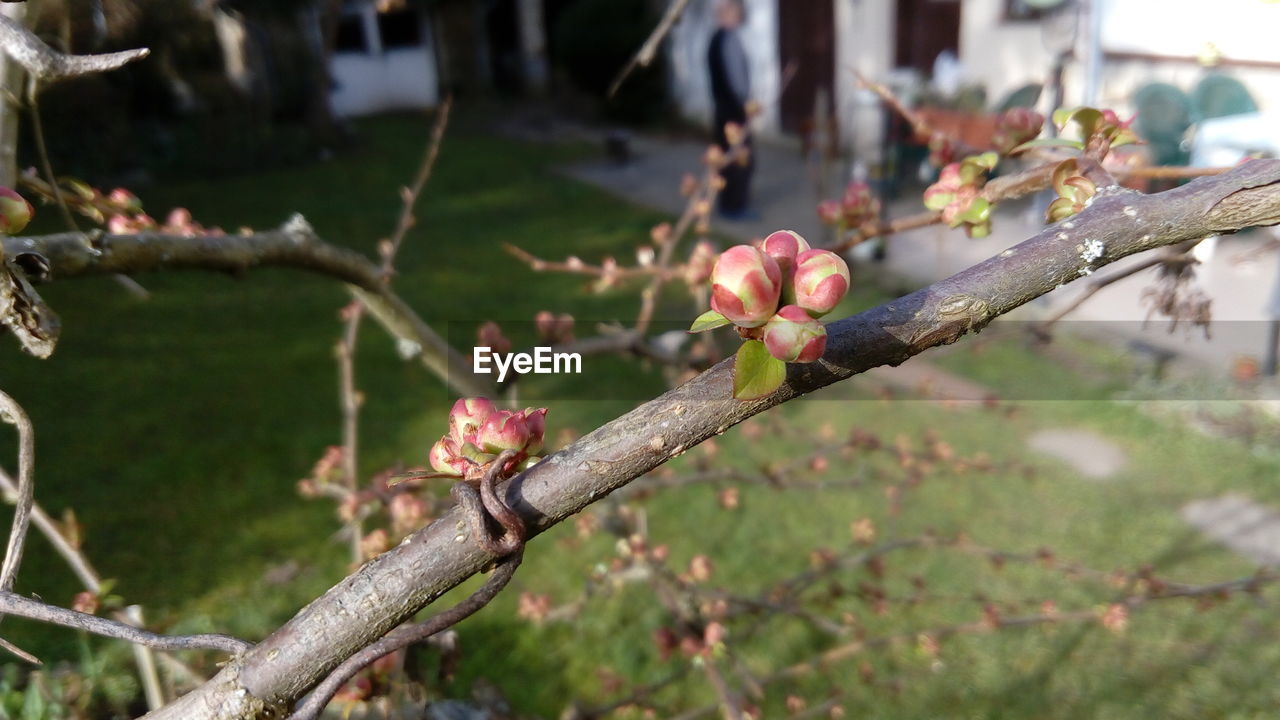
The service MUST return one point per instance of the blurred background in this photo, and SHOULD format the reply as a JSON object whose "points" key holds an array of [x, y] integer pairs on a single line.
{"points": [[934, 507]]}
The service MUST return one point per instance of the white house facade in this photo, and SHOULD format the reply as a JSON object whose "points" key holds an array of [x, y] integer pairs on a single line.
{"points": [[1112, 48], [383, 61]]}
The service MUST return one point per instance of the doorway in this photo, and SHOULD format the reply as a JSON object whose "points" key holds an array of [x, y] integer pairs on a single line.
{"points": [[807, 53]]}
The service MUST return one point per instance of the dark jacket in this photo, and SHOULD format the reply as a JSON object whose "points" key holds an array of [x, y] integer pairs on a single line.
{"points": [[730, 76]]}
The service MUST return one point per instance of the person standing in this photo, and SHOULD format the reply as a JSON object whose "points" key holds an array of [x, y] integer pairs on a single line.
{"points": [[730, 92]]}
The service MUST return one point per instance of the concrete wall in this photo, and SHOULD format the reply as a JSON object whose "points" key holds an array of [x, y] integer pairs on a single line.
{"points": [[690, 85], [384, 79]]}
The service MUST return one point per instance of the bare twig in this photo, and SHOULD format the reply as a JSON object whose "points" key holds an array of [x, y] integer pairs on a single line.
{"points": [[644, 56], [349, 395], [47, 64], [13, 413], [88, 576], [13, 604]]}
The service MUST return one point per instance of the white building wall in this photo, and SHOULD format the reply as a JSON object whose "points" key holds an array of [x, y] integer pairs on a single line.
{"points": [[864, 43], [690, 85], [1002, 55], [384, 79]]}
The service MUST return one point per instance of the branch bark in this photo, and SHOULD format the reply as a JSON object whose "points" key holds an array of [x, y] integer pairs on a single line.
{"points": [[293, 246], [390, 589], [46, 64]]}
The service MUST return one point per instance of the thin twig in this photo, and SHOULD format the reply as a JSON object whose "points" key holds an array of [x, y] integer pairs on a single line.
{"points": [[14, 604], [88, 576], [644, 56], [13, 413]]}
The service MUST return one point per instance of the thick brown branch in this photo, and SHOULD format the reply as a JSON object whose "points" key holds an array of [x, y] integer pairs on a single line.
{"points": [[394, 586]]}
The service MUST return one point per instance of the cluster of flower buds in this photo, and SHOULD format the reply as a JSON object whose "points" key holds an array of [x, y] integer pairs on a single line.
{"points": [[1075, 191], [15, 211], [1014, 127], [774, 294], [177, 222], [957, 194], [479, 432], [554, 329], [1092, 131], [857, 207]]}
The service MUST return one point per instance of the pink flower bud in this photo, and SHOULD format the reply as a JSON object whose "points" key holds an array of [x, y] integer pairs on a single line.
{"points": [[444, 458], [821, 281], [503, 431], [859, 204], [120, 225], [467, 416], [15, 211], [536, 420], [125, 200], [490, 335], [829, 212], [178, 219], [1015, 127], [745, 286], [793, 336], [701, 262], [783, 246]]}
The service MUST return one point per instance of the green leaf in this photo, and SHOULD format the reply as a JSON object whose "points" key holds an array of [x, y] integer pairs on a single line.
{"points": [[756, 373], [709, 320], [986, 160], [978, 211], [1048, 143]]}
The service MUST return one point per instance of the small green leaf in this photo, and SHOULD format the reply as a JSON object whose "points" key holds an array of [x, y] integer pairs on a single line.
{"points": [[986, 160], [709, 320], [1048, 143], [756, 373], [978, 211]]}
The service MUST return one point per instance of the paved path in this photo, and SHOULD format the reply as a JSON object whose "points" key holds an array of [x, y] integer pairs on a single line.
{"points": [[1241, 524], [1091, 455], [786, 194]]}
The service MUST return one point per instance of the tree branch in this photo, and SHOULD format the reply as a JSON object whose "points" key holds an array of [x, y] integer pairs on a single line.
{"points": [[46, 64], [13, 604], [294, 246], [391, 588], [12, 412]]}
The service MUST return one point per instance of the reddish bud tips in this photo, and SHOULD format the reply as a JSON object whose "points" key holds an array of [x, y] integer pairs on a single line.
{"points": [[821, 280], [793, 336], [746, 284], [15, 211]]}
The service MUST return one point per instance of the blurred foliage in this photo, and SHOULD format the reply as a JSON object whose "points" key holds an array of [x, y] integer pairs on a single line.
{"points": [[594, 39]]}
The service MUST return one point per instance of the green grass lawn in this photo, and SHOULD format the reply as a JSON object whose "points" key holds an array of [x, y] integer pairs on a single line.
{"points": [[176, 429]]}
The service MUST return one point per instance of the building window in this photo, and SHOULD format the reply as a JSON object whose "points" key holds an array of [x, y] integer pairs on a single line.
{"points": [[400, 29], [1029, 9], [351, 37]]}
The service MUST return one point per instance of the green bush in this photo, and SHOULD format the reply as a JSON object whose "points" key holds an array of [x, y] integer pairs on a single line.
{"points": [[592, 42]]}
